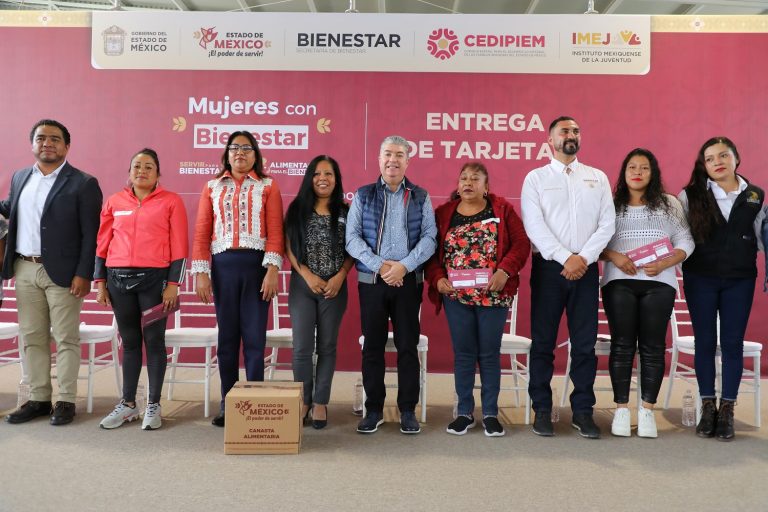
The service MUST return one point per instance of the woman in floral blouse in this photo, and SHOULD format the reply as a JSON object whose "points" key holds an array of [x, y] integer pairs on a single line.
{"points": [[477, 230]]}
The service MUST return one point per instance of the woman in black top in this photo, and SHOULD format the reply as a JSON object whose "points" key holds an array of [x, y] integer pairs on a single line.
{"points": [[315, 237], [725, 215]]}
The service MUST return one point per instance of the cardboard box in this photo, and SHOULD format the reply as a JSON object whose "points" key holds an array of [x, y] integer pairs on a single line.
{"points": [[263, 418]]}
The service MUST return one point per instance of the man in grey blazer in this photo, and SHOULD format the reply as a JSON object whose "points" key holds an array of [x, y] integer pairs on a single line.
{"points": [[53, 213]]}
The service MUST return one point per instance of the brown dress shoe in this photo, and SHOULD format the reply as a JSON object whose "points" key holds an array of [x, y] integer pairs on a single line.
{"points": [[63, 413], [29, 411]]}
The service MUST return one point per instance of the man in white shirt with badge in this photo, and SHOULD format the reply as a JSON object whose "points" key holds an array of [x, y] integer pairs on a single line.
{"points": [[568, 213]]}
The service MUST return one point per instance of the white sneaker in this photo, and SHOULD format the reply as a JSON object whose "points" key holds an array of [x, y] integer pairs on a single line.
{"points": [[152, 419], [646, 423], [120, 415], [621, 422]]}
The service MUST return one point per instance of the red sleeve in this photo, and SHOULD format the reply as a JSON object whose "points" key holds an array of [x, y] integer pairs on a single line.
{"points": [[201, 246], [179, 235], [518, 246], [104, 236], [273, 221]]}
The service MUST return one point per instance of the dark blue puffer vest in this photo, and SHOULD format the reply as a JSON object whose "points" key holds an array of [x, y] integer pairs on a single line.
{"points": [[373, 205]]}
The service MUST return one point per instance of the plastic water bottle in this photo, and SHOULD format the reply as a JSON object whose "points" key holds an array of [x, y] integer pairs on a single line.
{"points": [[689, 410], [23, 394], [455, 406], [555, 414], [357, 403], [141, 396]]}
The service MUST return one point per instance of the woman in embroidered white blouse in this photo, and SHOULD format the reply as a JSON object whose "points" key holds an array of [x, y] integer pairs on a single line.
{"points": [[236, 255]]}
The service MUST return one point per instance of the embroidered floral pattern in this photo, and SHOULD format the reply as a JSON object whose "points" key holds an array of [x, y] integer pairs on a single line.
{"points": [[473, 245]]}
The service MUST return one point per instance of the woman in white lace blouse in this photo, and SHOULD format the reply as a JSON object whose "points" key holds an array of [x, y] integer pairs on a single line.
{"points": [[639, 291]]}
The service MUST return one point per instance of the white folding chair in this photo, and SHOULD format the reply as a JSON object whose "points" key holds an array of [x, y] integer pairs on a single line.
{"points": [[198, 336], [280, 336], [422, 349], [602, 349], [683, 342], [514, 346], [12, 351], [95, 333]]}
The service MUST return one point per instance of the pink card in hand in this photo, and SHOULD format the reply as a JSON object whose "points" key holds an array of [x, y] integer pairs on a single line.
{"points": [[155, 313], [649, 253], [470, 278]]}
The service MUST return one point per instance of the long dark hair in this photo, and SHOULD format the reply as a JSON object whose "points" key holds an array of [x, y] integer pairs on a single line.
{"points": [[302, 206], [703, 212], [654, 196], [258, 165]]}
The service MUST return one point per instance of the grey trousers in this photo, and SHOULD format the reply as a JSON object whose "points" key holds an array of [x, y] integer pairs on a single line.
{"points": [[315, 321]]}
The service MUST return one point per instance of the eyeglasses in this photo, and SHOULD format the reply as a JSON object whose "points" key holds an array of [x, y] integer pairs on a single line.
{"points": [[234, 148]]}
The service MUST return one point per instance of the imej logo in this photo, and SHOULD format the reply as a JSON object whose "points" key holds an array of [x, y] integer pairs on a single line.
{"points": [[443, 43]]}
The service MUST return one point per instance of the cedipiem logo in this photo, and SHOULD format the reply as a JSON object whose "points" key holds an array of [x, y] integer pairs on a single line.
{"points": [[443, 43]]}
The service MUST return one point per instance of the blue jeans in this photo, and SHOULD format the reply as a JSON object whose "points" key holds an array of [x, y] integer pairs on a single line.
{"points": [[476, 336], [732, 298]]}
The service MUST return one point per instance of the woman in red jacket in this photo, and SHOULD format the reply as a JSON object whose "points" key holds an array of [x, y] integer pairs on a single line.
{"points": [[140, 258], [478, 233]]}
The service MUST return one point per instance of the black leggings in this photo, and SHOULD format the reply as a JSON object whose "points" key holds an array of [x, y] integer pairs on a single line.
{"points": [[638, 314], [129, 298]]}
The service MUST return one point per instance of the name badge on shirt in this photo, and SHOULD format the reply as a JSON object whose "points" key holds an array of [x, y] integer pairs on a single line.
{"points": [[122, 212], [492, 219], [590, 182]]}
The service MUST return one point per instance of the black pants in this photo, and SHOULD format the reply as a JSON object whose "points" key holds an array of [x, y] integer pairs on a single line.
{"points": [[638, 315], [131, 293], [379, 303], [551, 294]]}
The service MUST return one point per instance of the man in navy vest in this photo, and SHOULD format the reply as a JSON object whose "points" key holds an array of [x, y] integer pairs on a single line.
{"points": [[391, 233]]}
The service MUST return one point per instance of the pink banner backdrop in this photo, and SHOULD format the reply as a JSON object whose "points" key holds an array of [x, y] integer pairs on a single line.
{"points": [[699, 85]]}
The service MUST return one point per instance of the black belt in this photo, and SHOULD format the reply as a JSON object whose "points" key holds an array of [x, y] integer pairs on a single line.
{"points": [[33, 259]]}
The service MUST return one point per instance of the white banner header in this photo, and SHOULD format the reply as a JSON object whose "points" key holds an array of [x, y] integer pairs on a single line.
{"points": [[560, 44]]}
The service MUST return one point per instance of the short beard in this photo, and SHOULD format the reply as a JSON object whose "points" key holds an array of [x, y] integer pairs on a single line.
{"points": [[570, 147]]}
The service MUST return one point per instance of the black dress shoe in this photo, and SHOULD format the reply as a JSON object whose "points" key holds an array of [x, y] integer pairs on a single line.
{"points": [[29, 411], [218, 421], [586, 426], [63, 413], [318, 424], [708, 420], [542, 424]]}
